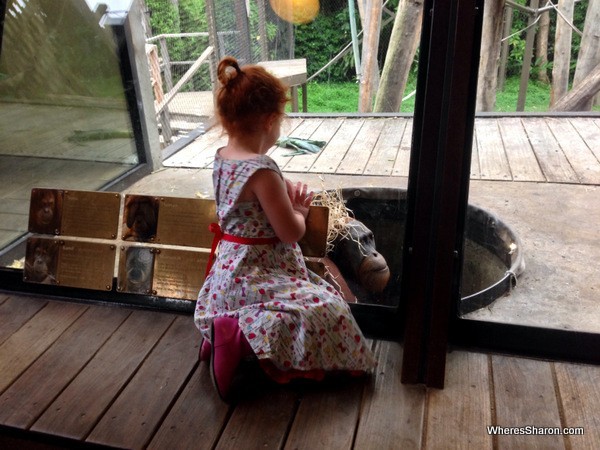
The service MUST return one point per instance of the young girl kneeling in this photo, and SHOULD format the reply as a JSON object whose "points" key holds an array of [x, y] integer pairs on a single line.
{"points": [[259, 298]]}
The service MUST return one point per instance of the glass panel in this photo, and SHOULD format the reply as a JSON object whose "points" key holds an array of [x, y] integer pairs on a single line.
{"points": [[362, 164], [535, 176], [64, 118]]}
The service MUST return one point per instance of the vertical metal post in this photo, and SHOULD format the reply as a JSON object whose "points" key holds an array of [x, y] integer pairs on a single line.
{"points": [[438, 183]]}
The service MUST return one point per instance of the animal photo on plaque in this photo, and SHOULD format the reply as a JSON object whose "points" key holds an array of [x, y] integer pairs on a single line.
{"points": [[41, 261], [136, 270], [45, 211], [140, 218]]}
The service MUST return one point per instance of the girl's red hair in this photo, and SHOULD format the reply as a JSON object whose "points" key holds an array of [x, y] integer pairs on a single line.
{"points": [[246, 95]]}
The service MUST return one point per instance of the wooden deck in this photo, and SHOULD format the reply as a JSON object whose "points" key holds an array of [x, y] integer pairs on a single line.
{"points": [[130, 379], [508, 148]]}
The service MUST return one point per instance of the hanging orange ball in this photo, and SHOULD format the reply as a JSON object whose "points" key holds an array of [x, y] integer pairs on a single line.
{"points": [[298, 12]]}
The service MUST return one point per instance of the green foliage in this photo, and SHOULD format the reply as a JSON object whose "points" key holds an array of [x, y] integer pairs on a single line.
{"points": [[537, 99], [343, 97], [517, 41], [332, 97], [322, 39], [186, 16]]}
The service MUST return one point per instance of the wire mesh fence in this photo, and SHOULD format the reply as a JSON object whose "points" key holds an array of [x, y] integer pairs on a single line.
{"points": [[326, 35]]}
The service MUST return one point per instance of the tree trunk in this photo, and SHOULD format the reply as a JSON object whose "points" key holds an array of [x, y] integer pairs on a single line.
{"points": [[370, 70], [562, 51], [589, 52], [491, 39], [541, 48], [581, 95], [404, 40]]}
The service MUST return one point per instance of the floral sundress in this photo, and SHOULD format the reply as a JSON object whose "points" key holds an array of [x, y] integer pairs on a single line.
{"points": [[289, 315]]}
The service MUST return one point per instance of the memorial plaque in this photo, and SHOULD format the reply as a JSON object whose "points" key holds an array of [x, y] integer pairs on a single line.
{"points": [[314, 242], [140, 218], [41, 260], [45, 211], [136, 266], [91, 214], [184, 221], [88, 265], [179, 273]]}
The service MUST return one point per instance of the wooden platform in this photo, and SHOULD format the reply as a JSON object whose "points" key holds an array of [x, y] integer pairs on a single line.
{"points": [[509, 148], [130, 379]]}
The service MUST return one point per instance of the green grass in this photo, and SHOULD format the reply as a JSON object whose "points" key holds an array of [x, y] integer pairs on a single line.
{"points": [[343, 97]]}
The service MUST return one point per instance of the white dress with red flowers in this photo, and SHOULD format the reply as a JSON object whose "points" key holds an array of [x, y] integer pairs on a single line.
{"points": [[288, 314]]}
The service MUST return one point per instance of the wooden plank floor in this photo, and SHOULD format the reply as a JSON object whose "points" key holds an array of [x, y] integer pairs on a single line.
{"points": [[509, 148], [130, 379]]}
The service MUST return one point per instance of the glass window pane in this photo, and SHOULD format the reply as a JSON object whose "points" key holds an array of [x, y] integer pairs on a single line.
{"points": [[64, 118], [535, 171]]}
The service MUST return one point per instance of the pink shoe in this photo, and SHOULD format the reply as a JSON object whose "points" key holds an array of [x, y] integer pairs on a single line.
{"points": [[229, 347], [205, 348]]}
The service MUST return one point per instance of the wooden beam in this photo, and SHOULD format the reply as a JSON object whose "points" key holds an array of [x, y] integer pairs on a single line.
{"points": [[184, 79]]}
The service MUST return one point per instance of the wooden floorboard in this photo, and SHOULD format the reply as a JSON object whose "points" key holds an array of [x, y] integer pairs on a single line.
{"points": [[493, 163], [197, 408], [29, 396], [525, 395], [78, 408], [378, 427], [146, 398], [31, 340], [131, 379], [511, 148], [523, 162], [457, 416], [579, 394]]}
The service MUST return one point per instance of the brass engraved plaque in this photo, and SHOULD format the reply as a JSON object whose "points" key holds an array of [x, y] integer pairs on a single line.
{"points": [[184, 221], [314, 242], [179, 273], [136, 266], [91, 214], [45, 211], [88, 265]]}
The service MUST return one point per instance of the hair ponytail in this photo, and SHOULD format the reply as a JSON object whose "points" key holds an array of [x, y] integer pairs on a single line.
{"points": [[228, 70]]}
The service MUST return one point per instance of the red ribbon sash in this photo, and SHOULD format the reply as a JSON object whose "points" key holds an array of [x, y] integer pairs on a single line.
{"points": [[219, 235]]}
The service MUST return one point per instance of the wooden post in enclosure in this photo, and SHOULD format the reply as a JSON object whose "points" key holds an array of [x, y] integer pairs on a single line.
{"points": [[241, 20], [213, 42], [589, 53], [262, 30], [562, 51], [370, 71], [541, 47], [166, 60], [508, 18], [164, 117], [581, 96], [491, 37], [529, 41], [404, 40]]}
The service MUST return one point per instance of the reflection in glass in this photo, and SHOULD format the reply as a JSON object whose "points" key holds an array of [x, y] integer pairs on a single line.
{"points": [[64, 119], [540, 174]]}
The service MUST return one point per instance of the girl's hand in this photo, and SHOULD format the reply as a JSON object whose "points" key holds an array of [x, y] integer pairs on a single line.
{"points": [[299, 196]]}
